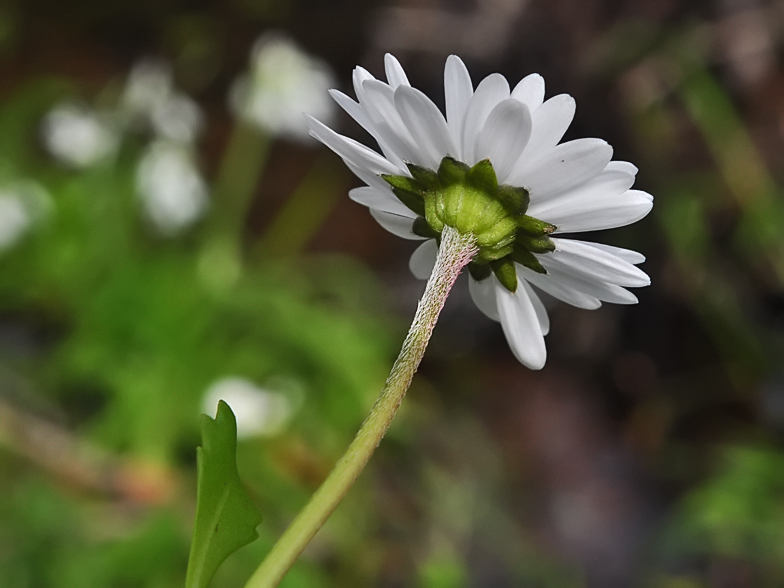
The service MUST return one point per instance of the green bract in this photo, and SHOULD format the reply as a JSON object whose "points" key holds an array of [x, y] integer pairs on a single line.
{"points": [[470, 200]]}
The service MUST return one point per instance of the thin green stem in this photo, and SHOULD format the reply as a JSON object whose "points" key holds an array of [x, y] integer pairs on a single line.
{"points": [[454, 253], [220, 261], [304, 212]]}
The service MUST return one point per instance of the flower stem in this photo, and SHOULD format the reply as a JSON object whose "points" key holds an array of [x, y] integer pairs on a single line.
{"points": [[220, 260], [454, 253]]}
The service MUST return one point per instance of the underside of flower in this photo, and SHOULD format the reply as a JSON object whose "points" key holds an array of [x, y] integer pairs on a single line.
{"points": [[471, 200], [493, 166]]}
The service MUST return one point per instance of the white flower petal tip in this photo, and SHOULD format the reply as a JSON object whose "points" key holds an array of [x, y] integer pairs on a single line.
{"points": [[521, 326], [530, 91], [396, 76], [559, 188]]}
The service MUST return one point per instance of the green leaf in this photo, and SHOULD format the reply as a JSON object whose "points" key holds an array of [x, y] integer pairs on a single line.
{"points": [[226, 518]]}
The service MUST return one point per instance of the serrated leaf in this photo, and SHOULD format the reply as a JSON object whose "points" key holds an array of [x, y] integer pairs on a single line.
{"points": [[226, 517]]}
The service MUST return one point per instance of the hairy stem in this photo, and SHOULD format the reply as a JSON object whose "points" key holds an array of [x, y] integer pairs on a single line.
{"points": [[454, 253]]}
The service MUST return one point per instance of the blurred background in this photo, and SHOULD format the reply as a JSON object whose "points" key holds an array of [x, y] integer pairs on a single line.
{"points": [[170, 236]]}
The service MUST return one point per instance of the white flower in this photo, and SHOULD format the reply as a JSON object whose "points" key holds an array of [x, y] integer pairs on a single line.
{"points": [[22, 204], [259, 412], [148, 87], [14, 219], [150, 100], [572, 187], [172, 190], [283, 83], [78, 136]]}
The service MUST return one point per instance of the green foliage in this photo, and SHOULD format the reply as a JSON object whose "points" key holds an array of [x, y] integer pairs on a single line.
{"points": [[226, 517], [739, 511], [125, 336]]}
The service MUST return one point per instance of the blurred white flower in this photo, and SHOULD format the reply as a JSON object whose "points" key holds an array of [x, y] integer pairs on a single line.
{"points": [[170, 186], [22, 204], [283, 83], [78, 136], [179, 119], [149, 85], [150, 100], [259, 412]]}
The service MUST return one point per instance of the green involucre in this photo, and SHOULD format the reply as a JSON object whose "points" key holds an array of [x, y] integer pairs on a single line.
{"points": [[470, 200]]}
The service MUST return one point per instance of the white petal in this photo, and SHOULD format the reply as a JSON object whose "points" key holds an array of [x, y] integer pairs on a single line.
{"points": [[457, 93], [521, 327], [564, 167], [385, 200], [400, 226], [566, 278], [349, 149], [550, 122], [359, 114], [624, 254], [541, 311], [558, 290], [489, 93], [530, 91], [483, 295], [612, 181], [590, 261], [504, 136], [629, 168], [603, 213], [380, 104], [424, 259], [359, 77], [371, 179], [354, 109], [426, 125], [395, 74]]}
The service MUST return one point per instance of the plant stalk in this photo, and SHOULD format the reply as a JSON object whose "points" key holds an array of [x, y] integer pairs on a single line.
{"points": [[454, 253]]}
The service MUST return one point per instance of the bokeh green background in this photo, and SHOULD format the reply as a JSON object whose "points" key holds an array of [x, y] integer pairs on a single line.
{"points": [[648, 452]]}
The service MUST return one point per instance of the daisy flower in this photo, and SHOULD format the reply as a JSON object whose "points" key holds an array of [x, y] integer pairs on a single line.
{"points": [[283, 82], [494, 168]]}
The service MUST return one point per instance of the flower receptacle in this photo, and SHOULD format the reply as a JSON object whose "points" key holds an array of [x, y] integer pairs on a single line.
{"points": [[470, 200]]}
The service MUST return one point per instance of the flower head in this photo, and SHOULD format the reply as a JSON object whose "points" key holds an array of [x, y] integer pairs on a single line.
{"points": [[494, 167], [171, 188], [283, 82], [23, 204], [150, 101], [79, 136]]}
